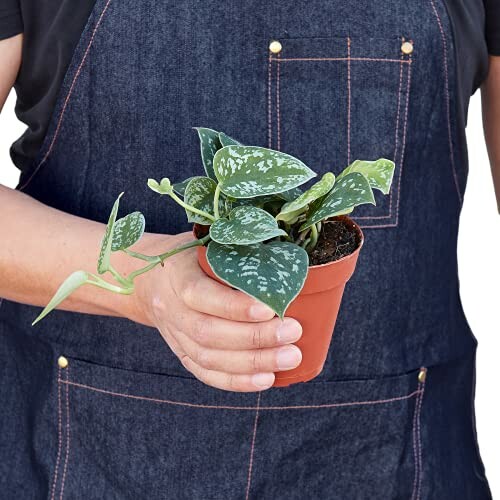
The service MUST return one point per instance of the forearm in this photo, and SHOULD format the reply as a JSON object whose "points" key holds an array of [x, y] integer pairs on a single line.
{"points": [[491, 117], [42, 246]]}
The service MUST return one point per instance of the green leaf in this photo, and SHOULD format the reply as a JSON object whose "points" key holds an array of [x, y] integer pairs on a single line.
{"points": [[245, 226], [273, 273], [225, 140], [103, 261], [180, 187], [199, 194], [70, 284], [209, 145], [128, 231], [379, 173], [163, 187], [251, 171], [291, 194], [351, 191], [292, 209]]}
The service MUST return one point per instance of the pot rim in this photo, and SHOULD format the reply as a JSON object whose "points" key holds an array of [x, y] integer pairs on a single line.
{"points": [[320, 266]]}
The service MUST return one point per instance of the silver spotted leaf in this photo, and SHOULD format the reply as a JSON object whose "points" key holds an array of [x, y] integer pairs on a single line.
{"points": [[199, 193], [251, 171], [180, 187], [104, 254], [292, 209], [349, 192], [70, 284], [245, 226], [379, 173], [273, 273], [225, 140], [127, 231], [209, 145]]}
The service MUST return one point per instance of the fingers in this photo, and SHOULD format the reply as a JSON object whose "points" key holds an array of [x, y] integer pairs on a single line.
{"points": [[205, 295], [228, 381], [216, 333], [241, 362]]}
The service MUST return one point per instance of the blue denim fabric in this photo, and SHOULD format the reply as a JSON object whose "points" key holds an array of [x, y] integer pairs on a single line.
{"points": [[126, 420]]}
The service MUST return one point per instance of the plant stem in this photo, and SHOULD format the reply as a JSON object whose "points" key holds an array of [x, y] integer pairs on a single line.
{"points": [[216, 201], [147, 258], [190, 208], [99, 282], [191, 244], [123, 281], [314, 238], [143, 270]]}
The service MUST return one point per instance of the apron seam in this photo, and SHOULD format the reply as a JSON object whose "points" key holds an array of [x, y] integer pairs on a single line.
{"points": [[415, 393], [66, 458], [252, 448], [444, 46]]}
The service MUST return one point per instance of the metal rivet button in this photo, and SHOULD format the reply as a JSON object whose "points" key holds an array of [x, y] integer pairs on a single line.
{"points": [[62, 362], [421, 375], [407, 48], [275, 47]]}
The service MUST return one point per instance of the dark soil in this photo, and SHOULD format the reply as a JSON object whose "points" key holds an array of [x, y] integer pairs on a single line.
{"points": [[338, 239]]}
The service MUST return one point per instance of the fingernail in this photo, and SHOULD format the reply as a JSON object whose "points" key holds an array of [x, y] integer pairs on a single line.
{"points": [[263, 380], [289, 331], [260, 311], [289, 357]]}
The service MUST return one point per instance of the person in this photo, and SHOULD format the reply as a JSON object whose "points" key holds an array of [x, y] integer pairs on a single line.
{"points": [[166, 393]]}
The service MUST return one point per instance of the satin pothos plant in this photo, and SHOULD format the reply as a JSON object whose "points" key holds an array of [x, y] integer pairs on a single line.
{"points": [[260, 226]]}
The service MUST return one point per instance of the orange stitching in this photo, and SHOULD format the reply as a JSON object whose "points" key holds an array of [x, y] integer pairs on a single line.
{"points": [[348, 100], [369, 59], [59, 436], [420, 399], [246, 408], [66, 458], [269, 101], [278, 117], [68, 96], [252, 449], [403, 147], [447, 95]]}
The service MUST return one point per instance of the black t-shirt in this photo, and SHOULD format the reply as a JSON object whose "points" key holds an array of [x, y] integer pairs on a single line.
{"points": [[52, 29]]}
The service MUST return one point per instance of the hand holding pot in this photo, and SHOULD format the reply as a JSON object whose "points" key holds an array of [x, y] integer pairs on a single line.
{"points": [[223, 337]]}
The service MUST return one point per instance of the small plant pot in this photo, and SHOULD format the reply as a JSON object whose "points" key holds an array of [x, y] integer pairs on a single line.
{"points": [[315, 308]]}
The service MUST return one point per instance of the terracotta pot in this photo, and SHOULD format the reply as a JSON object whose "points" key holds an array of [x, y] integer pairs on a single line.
{"points": [[315, 308]]}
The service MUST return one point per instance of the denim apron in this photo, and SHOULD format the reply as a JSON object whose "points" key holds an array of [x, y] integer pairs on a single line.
{"points": [[392, 415]]}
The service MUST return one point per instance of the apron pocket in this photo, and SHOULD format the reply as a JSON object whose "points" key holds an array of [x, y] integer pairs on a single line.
{"points": [[333, 100], [127, 434]]}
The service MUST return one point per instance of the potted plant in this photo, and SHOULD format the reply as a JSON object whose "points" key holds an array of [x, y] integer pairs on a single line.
{"points": [[258, 232]]}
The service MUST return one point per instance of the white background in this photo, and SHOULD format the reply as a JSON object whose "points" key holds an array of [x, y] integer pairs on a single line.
{"points": [[479, 274]]}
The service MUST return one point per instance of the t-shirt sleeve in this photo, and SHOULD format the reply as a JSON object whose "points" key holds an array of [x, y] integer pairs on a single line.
{"points": [[11, 21], [493, 26]]}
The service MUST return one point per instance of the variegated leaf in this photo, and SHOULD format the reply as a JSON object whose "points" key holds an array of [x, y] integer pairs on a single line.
{"points": [[199, 194], [273, 273], [379, 173], [225, 140], [70, 284], [103, 260], [349, 192], [180, 187], [292, 209], [251, 171], [128, 231], [209, 144], [245, 226]]}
